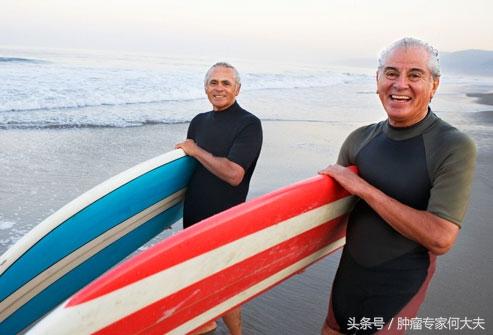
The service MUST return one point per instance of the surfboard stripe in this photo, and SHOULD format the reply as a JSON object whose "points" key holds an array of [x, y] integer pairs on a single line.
{"points": [[253, 291], [313, 194], [162, 284], [71, 261], [76, 205], [188, 303]]}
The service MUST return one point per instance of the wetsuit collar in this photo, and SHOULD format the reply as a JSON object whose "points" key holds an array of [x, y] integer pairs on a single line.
{"points": [[404, 133], [234, 106]]}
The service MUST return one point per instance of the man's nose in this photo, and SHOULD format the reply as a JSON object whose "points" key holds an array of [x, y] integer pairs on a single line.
{"points": [[401, 82]]}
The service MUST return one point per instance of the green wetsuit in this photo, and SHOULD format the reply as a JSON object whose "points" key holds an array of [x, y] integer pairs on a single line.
{"points": [[428, 166]]}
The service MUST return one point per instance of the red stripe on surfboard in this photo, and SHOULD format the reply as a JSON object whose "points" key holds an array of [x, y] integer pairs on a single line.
{"points": [[182, 306], [218, 230]]}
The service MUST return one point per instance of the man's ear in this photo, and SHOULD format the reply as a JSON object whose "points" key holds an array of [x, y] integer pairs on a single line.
{"points": [[436, 83], [376, 79]]}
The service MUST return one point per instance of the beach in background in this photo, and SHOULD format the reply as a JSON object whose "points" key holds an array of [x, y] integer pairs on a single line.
{"points": [[70, 120]]}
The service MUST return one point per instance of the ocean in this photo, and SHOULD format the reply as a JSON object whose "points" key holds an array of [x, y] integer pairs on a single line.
{"points": [[69, 88], [70, 119]]}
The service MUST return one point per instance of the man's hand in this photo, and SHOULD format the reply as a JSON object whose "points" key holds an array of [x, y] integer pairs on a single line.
{"points": [[189, 146], [226, 170], [353, 183]]}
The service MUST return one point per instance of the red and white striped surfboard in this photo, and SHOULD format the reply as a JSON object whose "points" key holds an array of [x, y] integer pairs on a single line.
{"points": [[198, 274]]}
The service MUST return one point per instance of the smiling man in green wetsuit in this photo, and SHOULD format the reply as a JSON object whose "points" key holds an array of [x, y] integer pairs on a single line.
{"points": [[415, 174]]}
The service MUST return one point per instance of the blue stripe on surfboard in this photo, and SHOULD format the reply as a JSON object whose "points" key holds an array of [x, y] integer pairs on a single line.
{"points": [[112, 209], [87, 271]]}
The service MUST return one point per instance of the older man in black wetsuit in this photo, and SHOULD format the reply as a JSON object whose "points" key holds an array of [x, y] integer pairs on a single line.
{"points": [[414, 186], [226, 141]]}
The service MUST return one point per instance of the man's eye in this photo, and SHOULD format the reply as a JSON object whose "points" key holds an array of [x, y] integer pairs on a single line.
{"points": [[391, 74], [414, 76]]}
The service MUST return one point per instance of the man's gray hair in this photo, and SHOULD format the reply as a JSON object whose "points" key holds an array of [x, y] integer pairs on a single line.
{"points": [[411, 42], [222, 64]]}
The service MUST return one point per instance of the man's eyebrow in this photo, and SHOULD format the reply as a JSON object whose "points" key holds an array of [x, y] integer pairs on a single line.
{"points": [[417, 69], [414, 69], [220, 80]]}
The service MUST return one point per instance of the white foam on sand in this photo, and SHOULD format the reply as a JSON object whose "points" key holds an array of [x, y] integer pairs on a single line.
{"points": [[9, 234], [4, 225]]}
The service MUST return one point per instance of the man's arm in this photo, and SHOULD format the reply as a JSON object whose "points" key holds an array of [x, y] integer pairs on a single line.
{"points": [[434, 233], [221, 167]]}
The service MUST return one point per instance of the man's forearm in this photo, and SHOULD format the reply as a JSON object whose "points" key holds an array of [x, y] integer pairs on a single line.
{"points": [[434, 233], [221, 167]]}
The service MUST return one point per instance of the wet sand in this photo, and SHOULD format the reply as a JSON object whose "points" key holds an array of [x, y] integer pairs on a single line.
{"points": [[482, 98]]}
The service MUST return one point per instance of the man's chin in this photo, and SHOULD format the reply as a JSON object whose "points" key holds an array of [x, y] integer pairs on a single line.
{"points": [[221, 107], [399, 112]]}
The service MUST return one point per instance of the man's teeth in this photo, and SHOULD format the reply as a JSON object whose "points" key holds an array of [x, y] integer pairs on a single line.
{"points": [[400, 97]]}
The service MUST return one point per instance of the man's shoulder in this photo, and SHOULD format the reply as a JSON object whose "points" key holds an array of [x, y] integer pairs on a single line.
{"points": [[200, 116], [245, 119], [446, 143], [246, 115], [365, 131], [449, 134]]}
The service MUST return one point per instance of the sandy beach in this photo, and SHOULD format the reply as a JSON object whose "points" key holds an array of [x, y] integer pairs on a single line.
{"points": [[45, 168]]}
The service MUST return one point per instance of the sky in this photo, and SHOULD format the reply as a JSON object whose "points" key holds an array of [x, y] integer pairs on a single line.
{"points": [[253, 29]]}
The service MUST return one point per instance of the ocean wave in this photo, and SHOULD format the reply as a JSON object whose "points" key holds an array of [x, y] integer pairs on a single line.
{"points": [[95, 105], [127, 124], [21, 60], [84, 125], [299, 79], [48, 104]]}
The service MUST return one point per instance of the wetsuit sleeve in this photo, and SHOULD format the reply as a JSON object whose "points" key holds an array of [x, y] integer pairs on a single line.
{"points": [[247, 144], [452, 177], [353, 144], [343, 158]]}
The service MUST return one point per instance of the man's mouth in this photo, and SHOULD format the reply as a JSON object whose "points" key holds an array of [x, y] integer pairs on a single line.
{"points": [[400, 97]]}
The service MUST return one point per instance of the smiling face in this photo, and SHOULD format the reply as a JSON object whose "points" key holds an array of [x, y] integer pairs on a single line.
{"points": [[405, 86], [221, 88]]}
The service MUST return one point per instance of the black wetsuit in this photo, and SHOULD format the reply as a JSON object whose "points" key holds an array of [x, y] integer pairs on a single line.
{"points": [[234, 134], [427, 166]]}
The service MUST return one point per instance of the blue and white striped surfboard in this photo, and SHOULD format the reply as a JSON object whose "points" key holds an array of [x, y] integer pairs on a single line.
{"points": [[88, 236]]}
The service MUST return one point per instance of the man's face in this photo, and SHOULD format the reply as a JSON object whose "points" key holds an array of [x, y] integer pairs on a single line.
{"points": [[221, 88], [405, 86]]}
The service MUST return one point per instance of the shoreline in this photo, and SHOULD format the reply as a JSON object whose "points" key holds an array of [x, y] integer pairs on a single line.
{"points": [[482, 98]]}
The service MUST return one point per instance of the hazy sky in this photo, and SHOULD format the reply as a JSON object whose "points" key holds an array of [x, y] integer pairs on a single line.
{"points": [[294, 30]]}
